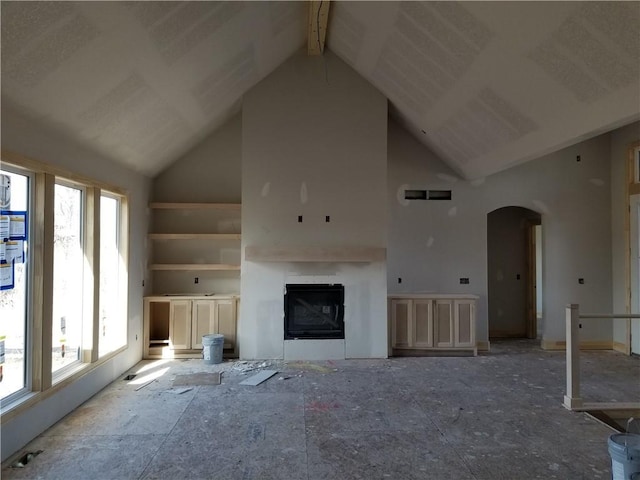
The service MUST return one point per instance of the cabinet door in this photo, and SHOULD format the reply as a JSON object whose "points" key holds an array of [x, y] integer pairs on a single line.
{"points": [[203, 321], [180, 325], [422, 323], [226, 314], [465, 323], [401, 323], [443, 319]]}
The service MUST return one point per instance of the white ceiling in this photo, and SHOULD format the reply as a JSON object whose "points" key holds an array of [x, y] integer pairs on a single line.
{"points": [[485, 84]]}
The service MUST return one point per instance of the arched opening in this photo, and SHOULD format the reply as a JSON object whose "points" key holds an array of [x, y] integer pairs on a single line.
{"points": [[514, 271]]}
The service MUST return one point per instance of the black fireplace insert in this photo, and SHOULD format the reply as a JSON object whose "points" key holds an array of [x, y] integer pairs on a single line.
{"points": [[314, 311]]}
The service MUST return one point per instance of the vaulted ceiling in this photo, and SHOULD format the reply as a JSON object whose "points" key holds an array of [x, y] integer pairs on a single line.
{"points": [[487, 85]]}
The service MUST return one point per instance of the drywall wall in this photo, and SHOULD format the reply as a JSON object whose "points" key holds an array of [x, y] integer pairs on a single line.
{"points": [[314, 144], [621, 140], [210, 172], [29, 137], [432, 244]]}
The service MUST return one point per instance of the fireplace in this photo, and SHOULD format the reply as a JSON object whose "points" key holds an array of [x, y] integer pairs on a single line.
{"points": [[314, 311]]}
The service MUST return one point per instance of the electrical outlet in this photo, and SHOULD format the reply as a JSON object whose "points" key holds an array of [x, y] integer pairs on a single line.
{"points": [[196, 280], [299, 218], [327, 219], [399, 280], [464, 281], [581, 281]]}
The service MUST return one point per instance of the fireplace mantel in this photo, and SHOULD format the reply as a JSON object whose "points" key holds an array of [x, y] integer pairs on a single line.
{"points": [[315, 254]]}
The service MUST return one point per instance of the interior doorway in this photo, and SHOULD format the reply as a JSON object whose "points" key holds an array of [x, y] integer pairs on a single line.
{"points": [[634, 271], [514, 244]]}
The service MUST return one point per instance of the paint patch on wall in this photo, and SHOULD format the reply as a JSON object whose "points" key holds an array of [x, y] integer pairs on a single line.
{"points": [[597, 182], [304, 195], [400, 195], [430, 242], [453, 211], [499, 276], [265, 189], [477, 182]]}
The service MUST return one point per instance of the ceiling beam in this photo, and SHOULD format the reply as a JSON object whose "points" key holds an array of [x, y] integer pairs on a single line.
{"points": [[318, 18]]}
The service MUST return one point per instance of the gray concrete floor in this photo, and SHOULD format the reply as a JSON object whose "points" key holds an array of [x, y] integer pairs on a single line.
{"points": [[496, 416]]}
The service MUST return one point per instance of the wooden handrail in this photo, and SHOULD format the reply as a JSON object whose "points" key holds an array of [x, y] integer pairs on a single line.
{"points": [[572, 399]]}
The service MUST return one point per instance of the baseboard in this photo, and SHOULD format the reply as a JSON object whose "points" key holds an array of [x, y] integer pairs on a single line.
{"points": [[483, 346], [587, 345], [620, 347]]}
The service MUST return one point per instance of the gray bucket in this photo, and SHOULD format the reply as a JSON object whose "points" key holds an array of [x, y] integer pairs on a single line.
{"points": [[212, 346], [624, 449]]}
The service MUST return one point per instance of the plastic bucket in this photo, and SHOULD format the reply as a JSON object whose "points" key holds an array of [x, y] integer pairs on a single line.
{"points": [[212, 346], [624, 449]]}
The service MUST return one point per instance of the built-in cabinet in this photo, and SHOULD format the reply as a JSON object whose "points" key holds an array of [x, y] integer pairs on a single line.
{"points": [[432, 323], [174, 327]]}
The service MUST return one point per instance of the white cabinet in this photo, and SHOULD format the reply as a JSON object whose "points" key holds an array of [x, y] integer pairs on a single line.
{"points": [[432, 322], [180, 324], [173, 327], [203, 320]]}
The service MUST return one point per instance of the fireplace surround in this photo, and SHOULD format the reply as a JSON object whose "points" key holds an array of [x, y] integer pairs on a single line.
{"points": [[314, 311]]}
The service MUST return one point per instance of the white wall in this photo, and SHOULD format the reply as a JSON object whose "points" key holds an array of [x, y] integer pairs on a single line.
{"points": [[621, 140], [210, 172], [433, 244], [314, 143], [28, 137]]}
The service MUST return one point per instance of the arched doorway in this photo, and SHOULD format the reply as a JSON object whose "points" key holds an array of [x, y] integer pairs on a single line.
{"points": [[514, 264]]}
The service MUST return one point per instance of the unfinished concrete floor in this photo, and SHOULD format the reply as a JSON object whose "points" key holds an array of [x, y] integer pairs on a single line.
{"points": [[496, 416]]}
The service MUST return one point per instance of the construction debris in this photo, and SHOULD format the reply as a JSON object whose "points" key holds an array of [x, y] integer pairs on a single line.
{"points": [[258, 378], [179, 391], [245, 366], [145, 384]]}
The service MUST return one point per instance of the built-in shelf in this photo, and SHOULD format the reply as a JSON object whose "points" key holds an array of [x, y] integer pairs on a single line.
{"points": [[196, 206], [194, 236], [193, 266], [195, 239], [315, 254]]}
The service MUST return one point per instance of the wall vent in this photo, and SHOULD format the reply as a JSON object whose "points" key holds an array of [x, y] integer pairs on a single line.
{"points": [[427, 194]]}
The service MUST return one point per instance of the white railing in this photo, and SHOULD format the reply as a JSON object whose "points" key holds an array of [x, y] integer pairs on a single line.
{"points": [[572, 399]]}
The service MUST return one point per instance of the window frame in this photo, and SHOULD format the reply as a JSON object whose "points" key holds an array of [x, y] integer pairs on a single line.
{"points": [[63, 372], [28, 321], [122, 284], [41, 383]]}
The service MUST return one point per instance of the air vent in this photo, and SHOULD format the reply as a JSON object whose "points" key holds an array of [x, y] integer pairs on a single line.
{"points": [[415, 194], [427, 194], [439, 195]]}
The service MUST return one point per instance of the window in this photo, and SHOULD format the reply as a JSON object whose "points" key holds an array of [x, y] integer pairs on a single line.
{"points": [[16, 284], [112, 329], [63, 271], [68, 265]]}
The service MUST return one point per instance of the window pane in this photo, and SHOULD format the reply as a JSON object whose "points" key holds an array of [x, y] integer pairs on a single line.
{"points": [[67, 277], [113, 324], [14, 257]]}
